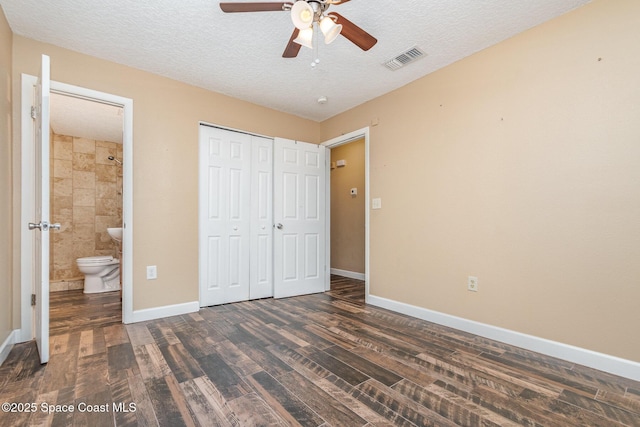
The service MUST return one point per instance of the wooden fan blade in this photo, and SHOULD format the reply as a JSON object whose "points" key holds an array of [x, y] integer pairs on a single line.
{"points": [[353, 33], [254, 7], [292, 49]]}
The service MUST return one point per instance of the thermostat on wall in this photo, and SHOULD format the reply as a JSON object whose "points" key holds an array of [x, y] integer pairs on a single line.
{"points": [[341, 163]]}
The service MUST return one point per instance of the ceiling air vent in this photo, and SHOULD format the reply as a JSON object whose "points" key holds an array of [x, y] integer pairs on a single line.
{"points": [[404, 58]]}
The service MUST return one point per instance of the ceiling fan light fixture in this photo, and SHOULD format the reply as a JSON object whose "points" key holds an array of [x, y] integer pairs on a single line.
{"points": [[330, 29], [305, 37], [302, 15]]}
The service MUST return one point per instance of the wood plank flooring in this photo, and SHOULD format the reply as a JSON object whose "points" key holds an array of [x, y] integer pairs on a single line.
{"points": [[317, 360]]}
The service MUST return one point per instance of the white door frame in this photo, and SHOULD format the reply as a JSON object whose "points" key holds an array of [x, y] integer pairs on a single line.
{"points": [[333, 143], [27, 202]]}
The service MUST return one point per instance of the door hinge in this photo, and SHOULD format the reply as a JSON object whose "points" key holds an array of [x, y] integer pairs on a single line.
{"points": [[33, 300], [34, 112]]}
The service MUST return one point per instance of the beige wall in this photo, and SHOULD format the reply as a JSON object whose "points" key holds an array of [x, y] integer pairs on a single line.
{"points": [[6, 233], [347, 211], [518, 165], [165, 157], [86, 199]]}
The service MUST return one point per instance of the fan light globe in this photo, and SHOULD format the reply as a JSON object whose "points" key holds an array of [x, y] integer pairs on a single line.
{"points": [[329, 29], [305, 38], [302, 15]]}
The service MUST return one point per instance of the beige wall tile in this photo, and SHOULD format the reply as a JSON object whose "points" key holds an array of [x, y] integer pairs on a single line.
{"points": [[107, 252], [63, 206], [104, 241], [83, 233], [105, 190], [62, 147], [104, 222], [66, 224], [108, 144], [83, 249], [106, 207], [62, 187], [76, 284], [63, 255], [62, 168], [85, 200], [103, 151], [82, 179], [84, 197], [65, 234], [58, 286], [83, 145], [84, 162], [84, 214], [106, 173]]}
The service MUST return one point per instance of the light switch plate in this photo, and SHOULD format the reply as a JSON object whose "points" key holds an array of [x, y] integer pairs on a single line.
{"points": [[376, 203]]}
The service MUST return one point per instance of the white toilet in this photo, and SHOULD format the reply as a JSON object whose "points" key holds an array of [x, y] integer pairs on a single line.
{"points": [[101, 273]]}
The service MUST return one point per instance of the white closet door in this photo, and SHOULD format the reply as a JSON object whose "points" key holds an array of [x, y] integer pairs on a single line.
{"points": [[261, 218], [299, 214], [225, 197]]}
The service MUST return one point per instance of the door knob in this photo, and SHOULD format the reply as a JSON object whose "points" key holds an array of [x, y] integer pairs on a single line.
{"points": [[44, 226], [279, 226]]}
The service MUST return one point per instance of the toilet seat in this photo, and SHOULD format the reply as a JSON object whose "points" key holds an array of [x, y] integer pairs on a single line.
{"points": [[97, 260]]}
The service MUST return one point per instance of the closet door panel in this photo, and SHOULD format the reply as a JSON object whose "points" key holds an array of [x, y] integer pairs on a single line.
{"points": [[262, 218], [226, 222]]}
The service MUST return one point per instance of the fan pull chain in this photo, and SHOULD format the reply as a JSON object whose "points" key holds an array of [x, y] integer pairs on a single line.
{"points": [[316, 36]]}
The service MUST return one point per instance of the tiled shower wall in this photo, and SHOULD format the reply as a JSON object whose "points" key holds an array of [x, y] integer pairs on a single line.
{"points": [[86, 198]]}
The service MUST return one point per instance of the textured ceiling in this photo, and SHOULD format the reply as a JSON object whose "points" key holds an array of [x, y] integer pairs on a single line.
{"points": [[86, 119], [240, 54]]}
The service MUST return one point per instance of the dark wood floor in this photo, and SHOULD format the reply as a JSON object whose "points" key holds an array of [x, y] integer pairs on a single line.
{"points": [[317, 360]]}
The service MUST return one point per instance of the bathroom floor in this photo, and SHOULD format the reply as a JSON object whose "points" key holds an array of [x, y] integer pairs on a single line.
{"points": [[74, 311]]}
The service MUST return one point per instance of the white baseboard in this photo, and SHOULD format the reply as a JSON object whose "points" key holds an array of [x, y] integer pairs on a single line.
{"points": [[347, 273], [603, 362], [7, 345], [166, 311]]}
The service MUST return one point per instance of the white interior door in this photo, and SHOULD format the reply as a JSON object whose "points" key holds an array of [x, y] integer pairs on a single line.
{"points": [[225, 172], [299, 215], [41, 227]]}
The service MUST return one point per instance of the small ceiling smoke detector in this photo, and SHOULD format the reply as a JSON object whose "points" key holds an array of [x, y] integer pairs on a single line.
{"points": [[405, 58], [322, 100]]}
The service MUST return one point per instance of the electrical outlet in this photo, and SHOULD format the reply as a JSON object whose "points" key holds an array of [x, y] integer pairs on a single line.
{"points": [[472, 284], [152, 272]]}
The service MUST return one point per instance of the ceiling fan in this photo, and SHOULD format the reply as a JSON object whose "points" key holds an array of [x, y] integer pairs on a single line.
{"points": [[304, 14]]}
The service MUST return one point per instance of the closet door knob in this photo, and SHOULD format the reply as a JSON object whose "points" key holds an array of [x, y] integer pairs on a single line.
{"points": [[279, 226]]}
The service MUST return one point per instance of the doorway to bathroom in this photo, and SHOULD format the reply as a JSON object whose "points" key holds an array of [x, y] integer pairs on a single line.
{"points": [[86, 183], [86, 189], [32, 325]]}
